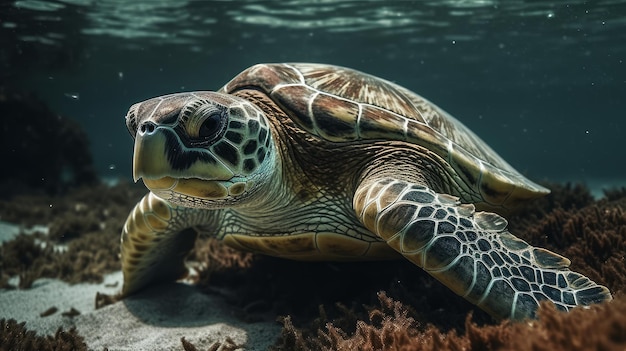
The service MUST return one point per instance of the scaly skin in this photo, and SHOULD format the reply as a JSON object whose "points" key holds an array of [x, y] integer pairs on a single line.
{"points": [[471, 252]]}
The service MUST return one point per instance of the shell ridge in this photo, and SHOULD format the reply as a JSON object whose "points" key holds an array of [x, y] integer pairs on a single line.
{"points": [[298, 73], [310, 112], [405, 129], [281, 86], [357, 127]]}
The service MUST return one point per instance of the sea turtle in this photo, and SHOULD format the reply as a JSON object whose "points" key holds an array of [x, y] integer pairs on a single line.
{"points": [[319, 162]]}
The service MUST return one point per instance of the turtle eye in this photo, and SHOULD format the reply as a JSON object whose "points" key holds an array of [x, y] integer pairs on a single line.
{"points": [[211, 126], [206, 124]]}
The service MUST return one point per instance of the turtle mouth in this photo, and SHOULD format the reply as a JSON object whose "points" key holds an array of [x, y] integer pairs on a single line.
{"points": [[168, 170], [197, 188]]}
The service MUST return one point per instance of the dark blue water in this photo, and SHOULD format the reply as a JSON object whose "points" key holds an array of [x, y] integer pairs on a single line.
{"points": [[543, 82]]}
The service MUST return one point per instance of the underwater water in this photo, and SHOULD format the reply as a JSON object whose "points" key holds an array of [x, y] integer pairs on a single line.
{"points": [[544, 83]]}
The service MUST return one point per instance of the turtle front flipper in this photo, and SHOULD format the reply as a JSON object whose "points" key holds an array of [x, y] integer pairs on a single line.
{"points": [[471, 252], [156, 238]]}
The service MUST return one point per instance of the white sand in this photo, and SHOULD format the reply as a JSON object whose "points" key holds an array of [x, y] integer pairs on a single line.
{"points": [[155, 319]]}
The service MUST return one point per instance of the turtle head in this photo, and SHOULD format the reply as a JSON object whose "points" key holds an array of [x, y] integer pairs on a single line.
{"points": [[200, 149]]}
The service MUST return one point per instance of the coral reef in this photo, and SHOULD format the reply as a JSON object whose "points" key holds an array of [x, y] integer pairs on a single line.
{"points": [[44, 151]]}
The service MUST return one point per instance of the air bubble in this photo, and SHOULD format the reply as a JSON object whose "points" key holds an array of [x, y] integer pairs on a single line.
{"points": [[74, 96]]}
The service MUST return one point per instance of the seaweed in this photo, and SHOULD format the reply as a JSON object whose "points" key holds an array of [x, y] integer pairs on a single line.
{"points": [[15, 336], [82, 243], [227, 345], [614, 194], [391, 327]]}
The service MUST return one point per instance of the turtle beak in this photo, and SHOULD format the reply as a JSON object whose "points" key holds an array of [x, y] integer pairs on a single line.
{"points": [[149, 154], [156, 156]]}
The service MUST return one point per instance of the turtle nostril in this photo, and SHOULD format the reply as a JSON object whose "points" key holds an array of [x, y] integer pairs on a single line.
{"points": [[147, 127]]}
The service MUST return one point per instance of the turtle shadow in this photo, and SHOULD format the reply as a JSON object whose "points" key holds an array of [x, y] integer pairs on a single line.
{"points": [[275, 287], [175, 305], [165, 315], [321, 292]]}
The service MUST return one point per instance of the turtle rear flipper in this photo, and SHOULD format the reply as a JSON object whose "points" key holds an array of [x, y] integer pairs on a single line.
{"points": [[471, 252]]}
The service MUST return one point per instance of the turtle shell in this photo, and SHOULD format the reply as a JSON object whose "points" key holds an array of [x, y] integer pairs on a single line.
{"points": [[344, 105]]}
